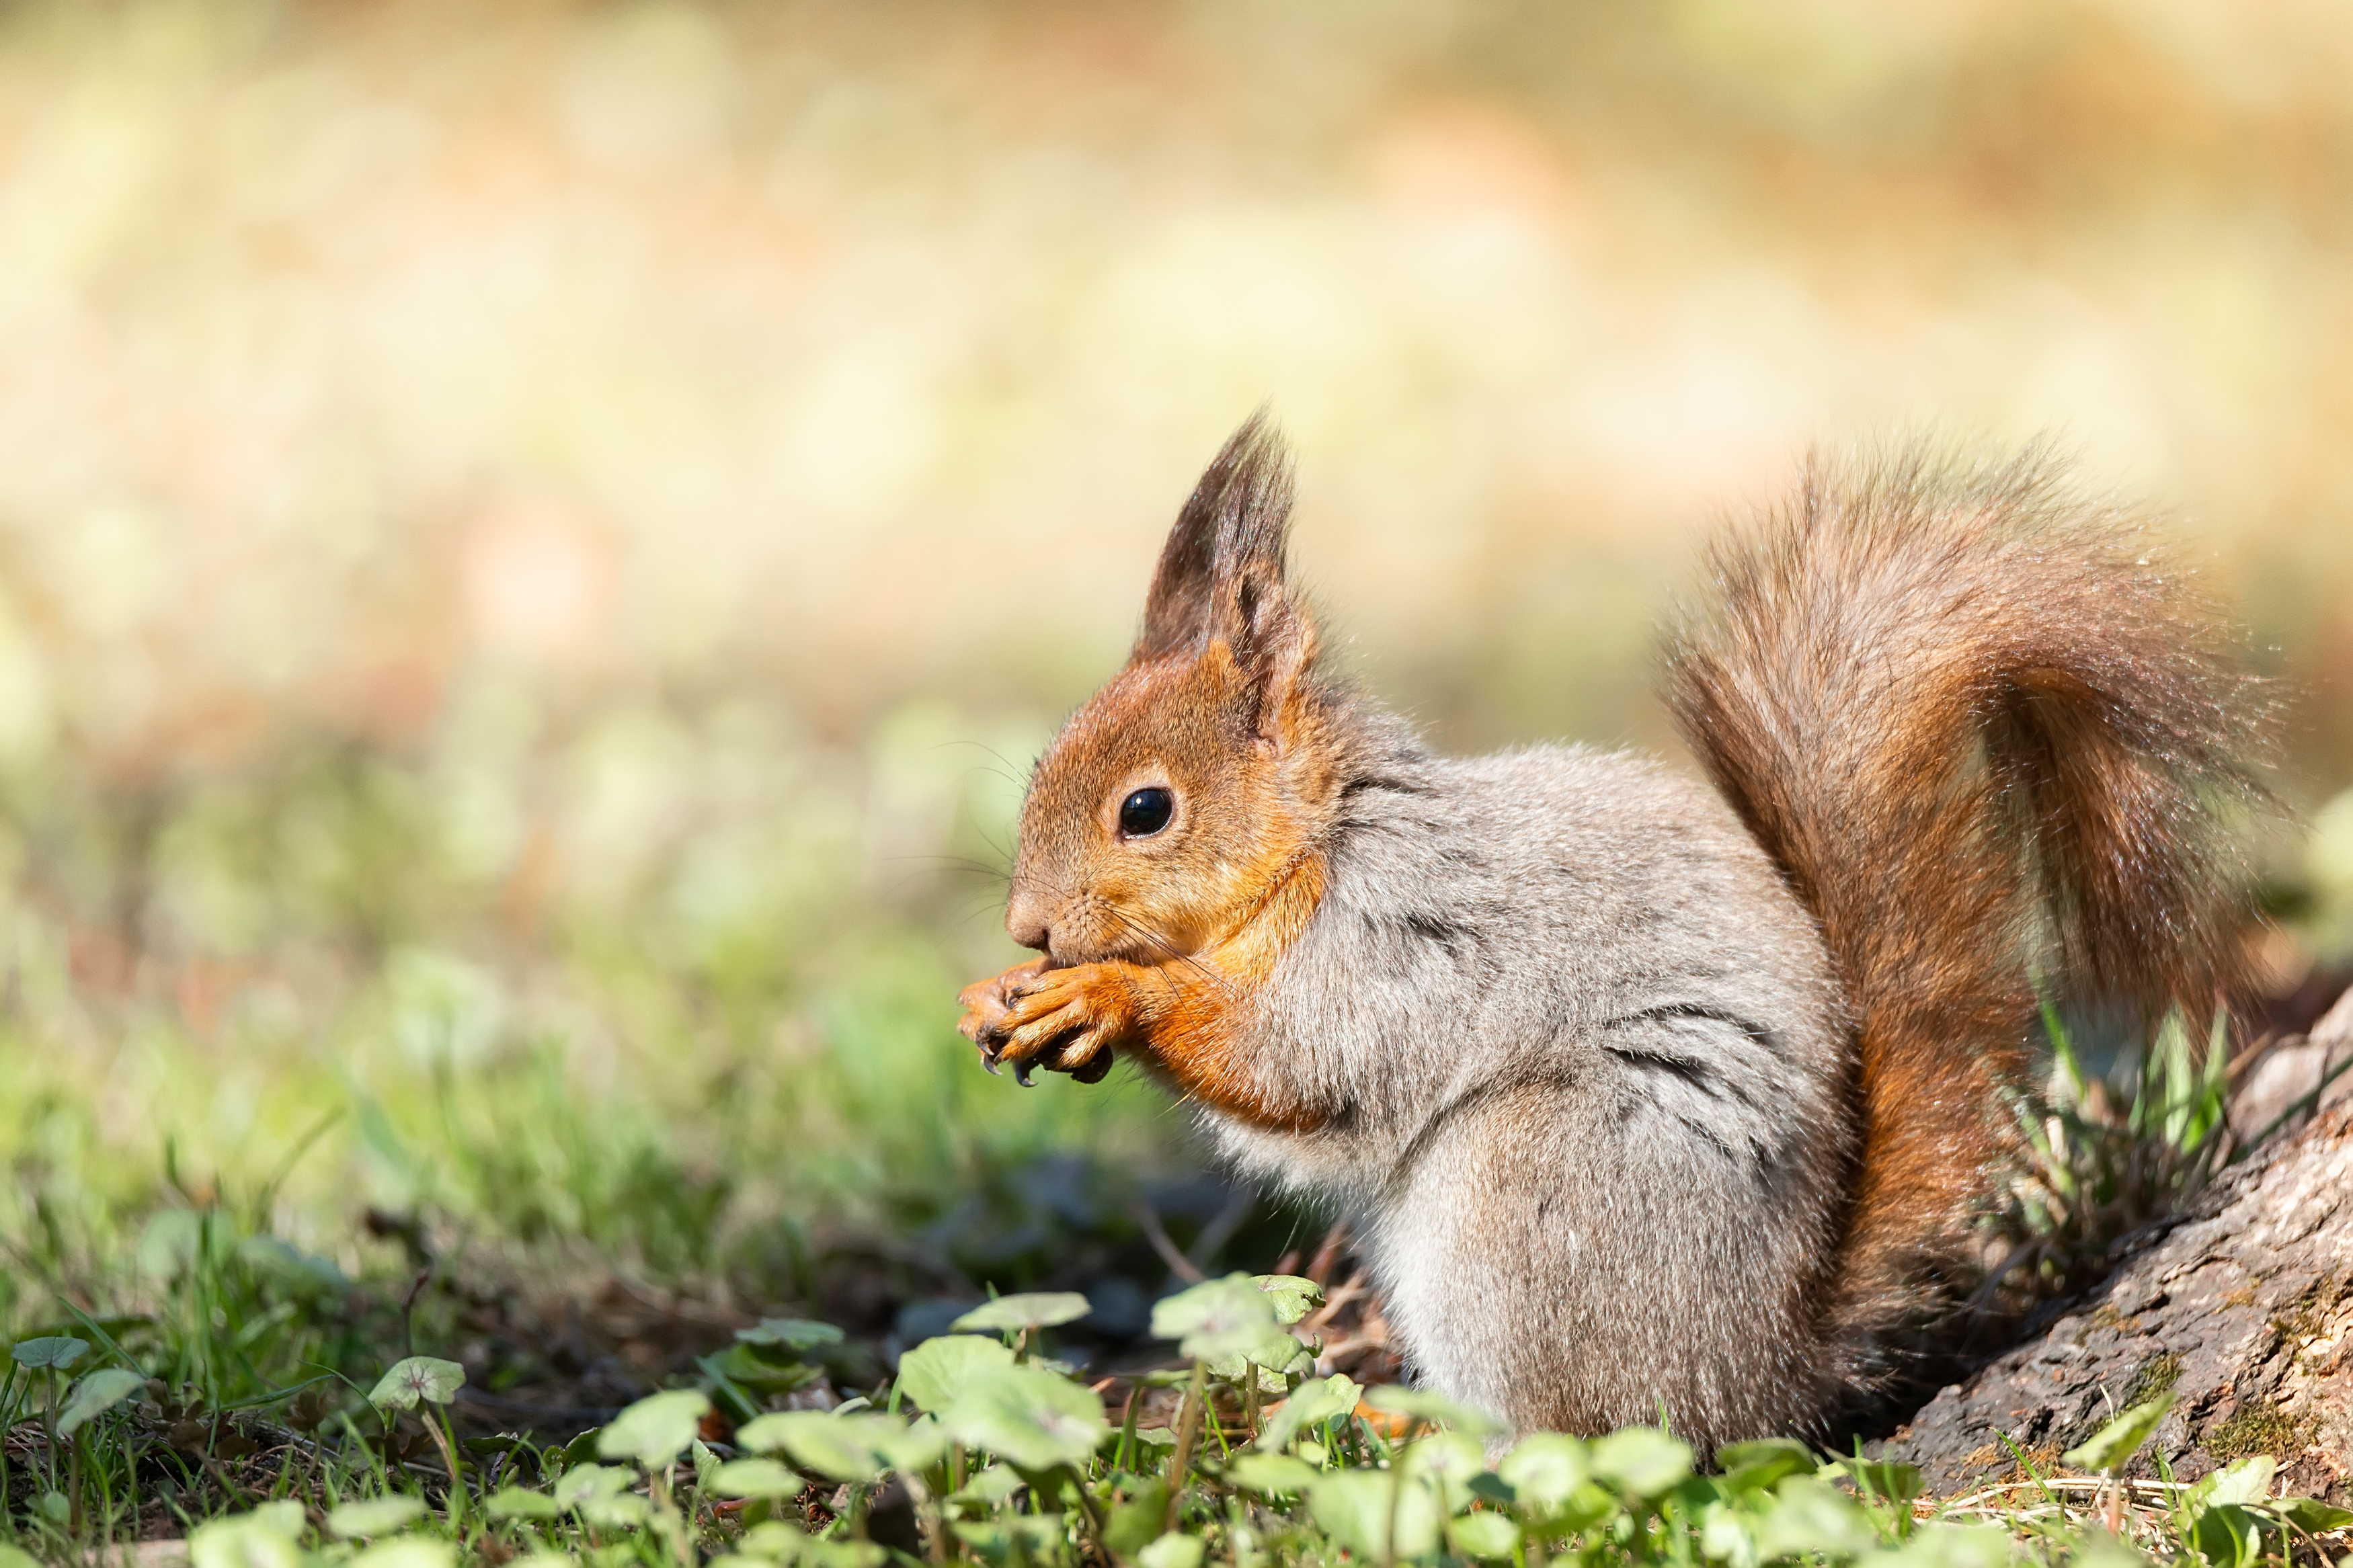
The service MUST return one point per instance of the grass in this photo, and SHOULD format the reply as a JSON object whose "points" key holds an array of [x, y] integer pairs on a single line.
{"points": [[629, 1234], [984, 1447], [300, 1093]]}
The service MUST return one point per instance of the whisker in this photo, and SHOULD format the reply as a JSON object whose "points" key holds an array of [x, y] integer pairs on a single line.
{"points": [[1168, 949], [954, 863], [987, 906]]}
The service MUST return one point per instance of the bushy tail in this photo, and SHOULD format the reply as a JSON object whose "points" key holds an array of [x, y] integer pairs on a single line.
{"points": [[1980, 729]]}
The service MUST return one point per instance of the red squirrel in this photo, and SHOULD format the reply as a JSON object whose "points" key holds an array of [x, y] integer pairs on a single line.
{"points": [[1647, 1097]]}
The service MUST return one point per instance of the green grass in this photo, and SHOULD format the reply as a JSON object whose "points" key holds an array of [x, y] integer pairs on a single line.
{"points": [[984, 1449], [298, 1092]]}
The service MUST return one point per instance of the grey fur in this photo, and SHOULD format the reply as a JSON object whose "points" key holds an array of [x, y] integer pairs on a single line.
{"points": [[1570, 984]]}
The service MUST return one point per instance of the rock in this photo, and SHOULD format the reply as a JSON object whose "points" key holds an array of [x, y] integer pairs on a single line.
{"points": [[2244, 1307], [2295, 1068]]}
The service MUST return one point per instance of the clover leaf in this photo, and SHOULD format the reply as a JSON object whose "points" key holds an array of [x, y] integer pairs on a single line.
{"points": [[1033, 1418], [421, 1377], [1217, 1318], [375, 1516], [934, 1373], [95, 1395], [53, 1353], [655, 1430], [1033, 1309]]}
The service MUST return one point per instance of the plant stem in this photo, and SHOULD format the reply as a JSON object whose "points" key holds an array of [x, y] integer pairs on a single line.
{"points": [[1086, 1503], [49, 1423], [1189, 1425], [434, 1426]]}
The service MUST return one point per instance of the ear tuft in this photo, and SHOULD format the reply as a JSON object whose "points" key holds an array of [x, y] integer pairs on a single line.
{"points": [[1232, 528]]}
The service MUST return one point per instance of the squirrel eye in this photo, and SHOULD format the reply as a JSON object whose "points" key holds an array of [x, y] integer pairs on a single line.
{"points": [[1145, 812]]}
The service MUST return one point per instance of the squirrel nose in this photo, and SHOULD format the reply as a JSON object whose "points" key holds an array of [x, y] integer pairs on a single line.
{"points": [[1025, 923]]}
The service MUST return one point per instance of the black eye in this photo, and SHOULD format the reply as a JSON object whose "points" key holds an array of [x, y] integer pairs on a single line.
{"points": [[1145, 812]]}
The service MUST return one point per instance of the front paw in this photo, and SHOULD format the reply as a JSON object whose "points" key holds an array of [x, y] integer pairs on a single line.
{"points": [[1065, 1020], [987, 1005]]}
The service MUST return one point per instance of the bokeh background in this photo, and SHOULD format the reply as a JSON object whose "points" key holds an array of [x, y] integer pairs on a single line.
{"points": [[537, 540]]}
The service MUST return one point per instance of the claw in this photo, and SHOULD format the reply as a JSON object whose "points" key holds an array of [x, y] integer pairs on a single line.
{"points": [[1021, 1075]]}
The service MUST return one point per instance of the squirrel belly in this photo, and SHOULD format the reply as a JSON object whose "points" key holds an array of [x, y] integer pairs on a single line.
{"points": [[1650, 1095]]}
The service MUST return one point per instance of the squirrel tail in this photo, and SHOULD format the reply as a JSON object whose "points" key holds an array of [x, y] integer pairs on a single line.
{"points": [[1981, 733]]}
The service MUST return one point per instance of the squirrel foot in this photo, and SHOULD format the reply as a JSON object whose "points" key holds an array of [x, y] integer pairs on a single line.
{"points": [[1064, 1020]]}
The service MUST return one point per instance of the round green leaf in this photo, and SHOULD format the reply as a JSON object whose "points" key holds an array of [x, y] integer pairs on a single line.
{"points": [[1217, 1318], [1295, 1296], [1759, 1465], [514, 1503], [1545, 1468], [1034, 1310], [1809, 1516], [2116, 1442], [755, 1479], [300, 1273], [1728, 1534], [263, 1539], [655, 1430], [1978, 1546], [2227, 1535], [1642, 1461], [412, 1551], [2313, 1516], [1310, 1404], [852, 1448], [934, 1373], [587, 1483], [1172, 1550], [2241, 1480], [1483, 1534], [53, 1352], [1033, 1418], [793, 1334], [94, 1395], [622, 1510], [1448, 1458], [912, 1446], [1359, 1506], [421, 1377], [1271, 1474], [376, 1516]]}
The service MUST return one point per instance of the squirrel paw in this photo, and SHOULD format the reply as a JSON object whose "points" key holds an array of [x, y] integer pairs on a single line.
{"points": [[1064, 1020], [985, 1004]]}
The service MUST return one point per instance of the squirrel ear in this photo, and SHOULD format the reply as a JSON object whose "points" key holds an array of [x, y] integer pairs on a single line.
{"points": [[1248, 475], [1252, 609]]}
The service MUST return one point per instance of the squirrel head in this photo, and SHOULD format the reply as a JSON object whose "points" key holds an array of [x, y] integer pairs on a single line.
{"points": [[1202, 775]]}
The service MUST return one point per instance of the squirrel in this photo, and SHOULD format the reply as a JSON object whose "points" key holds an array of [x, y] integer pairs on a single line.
{"points": [[1650, 1099]]}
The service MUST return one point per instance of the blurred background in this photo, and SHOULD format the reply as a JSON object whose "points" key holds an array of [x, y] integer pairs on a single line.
{"points": [[537, 541]]}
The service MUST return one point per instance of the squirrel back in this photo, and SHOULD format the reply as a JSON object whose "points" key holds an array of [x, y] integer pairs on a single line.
{"points": [[1982, 733], [1647, 1096]]}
